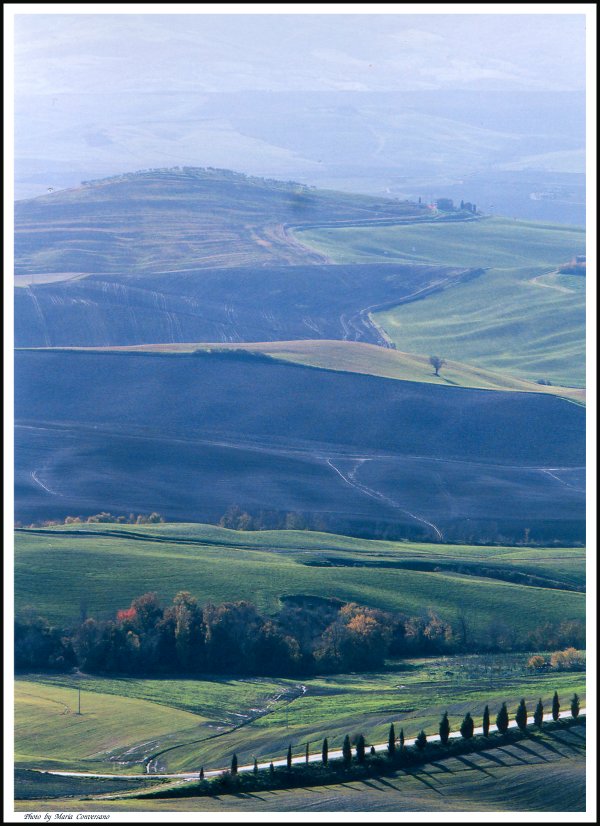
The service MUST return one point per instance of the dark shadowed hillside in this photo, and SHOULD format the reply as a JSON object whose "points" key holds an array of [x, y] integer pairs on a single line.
{"points": [[191, 435], [228, 304]]}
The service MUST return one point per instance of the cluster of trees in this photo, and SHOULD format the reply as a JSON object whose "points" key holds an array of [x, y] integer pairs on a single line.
{"points": [[238, 519], [232, 638], [568, 660], [303, 637], [104, 516]]}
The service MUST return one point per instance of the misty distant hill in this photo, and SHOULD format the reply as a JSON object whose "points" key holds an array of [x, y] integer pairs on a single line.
{"points": [[176, 219]]}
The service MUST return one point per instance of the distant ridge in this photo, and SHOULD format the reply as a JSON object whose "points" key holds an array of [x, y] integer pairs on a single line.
{"points": [[181, 218]]}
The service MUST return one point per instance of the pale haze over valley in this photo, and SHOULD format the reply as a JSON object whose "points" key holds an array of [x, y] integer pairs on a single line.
{"points": [[485, 107]]}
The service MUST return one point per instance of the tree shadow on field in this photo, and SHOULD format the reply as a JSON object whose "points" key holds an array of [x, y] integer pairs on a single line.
{"points": [[511, 756], [544, 744], [532, 752], [489, 756], [575, 742], [418, 776], [248, 796], [372, 785], [471, 765], [441, 767]]}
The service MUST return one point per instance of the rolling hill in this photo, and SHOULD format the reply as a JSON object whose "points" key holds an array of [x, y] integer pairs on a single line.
{"points": [[521, 318], [178, 219], [230, 304], [190, 435]]}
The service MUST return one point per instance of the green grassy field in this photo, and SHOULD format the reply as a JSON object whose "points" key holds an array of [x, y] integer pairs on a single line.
{"points": [[49, 733], [369, 359], [176, 720], [491, 242], [520, 317], [104, 567]]}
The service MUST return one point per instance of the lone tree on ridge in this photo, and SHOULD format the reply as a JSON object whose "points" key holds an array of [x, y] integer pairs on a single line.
{"points": [[437, 363]]}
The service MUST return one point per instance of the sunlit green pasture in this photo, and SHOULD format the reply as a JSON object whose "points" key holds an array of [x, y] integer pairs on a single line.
{"points": [[411, 694], [519, 317], [101, 568]]}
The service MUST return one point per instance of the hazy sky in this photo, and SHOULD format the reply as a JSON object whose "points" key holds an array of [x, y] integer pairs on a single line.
{"points": [[92, 53]]}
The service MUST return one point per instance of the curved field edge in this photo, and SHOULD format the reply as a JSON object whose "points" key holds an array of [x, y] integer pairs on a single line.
{"points": [[72, 561], [504, 321], [358, 357]]}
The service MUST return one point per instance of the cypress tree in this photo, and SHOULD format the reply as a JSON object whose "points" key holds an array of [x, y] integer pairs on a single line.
{"points": [[538, 714], [255, 766], [271, 768], [289, 757], [360, 749], [421, 740], [372, 751], [202, 773], [521, 716], [555, 707], [347, 752], [444, 729], [234, 764], [391, 741], [467, 727], [575, 707], [502, 719], [325, 752], [486, 721], [401, 739]]}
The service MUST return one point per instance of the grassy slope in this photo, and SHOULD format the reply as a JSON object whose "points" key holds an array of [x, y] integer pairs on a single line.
{"points": [[413, 696], [173, 220], [544, 773], [359, 357], [261, 567], [504, 320], [49, 732]]}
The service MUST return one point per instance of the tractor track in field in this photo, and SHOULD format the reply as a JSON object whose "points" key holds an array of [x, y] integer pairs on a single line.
{"points": [[251, 719]]}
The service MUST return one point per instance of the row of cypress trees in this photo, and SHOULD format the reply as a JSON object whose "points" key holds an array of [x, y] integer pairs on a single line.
{"points": [[467, 730]]}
